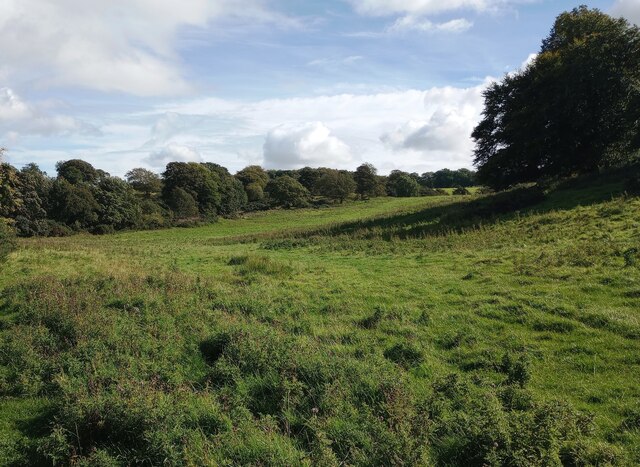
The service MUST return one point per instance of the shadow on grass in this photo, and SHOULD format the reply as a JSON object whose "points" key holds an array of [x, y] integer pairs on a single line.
{"points": [[468, 214], [33, 426]]}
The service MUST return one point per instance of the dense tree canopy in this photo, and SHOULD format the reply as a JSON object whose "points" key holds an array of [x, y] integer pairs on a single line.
{"points": [[83, 198], [287, 192], [144, 181], [366, 181], [253, 174], [335, 185], [195, 179], [447, 178], [402, 184], [574, 109]]}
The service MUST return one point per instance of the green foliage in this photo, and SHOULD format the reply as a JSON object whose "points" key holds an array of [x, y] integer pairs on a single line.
{"points": [[77, 171], [335, 185], [447, 178], [308, 177], [573, 110], [402, 185], [10, 201], [233, 197], [182, 204], [366, 180], [73, 205], [35, 187], [404, 354], [253, 175], [287, 192], [7, 240], [119, 207], [397, 331], [255, 193], [459, 190], [195, 179], [144, 181]]}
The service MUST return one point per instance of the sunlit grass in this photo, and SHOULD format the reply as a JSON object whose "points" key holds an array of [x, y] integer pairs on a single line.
{"points": [[557, 282]]}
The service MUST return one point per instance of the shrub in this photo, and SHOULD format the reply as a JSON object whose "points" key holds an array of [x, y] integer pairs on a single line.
{"points": [[460, 190], [56, 229], [428, 191]]}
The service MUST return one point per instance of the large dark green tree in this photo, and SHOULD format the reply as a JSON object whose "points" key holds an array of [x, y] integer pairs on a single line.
{"points": [[232, 194], [195, 179], [336, 185], [119, 208], [573, 110], [366, 179], [287, 192], [78, 171], [253, 174], [402, 184], [10, 196], [144, 181], [31, 216]]}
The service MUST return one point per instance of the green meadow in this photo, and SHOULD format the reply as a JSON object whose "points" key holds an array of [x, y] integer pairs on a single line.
{"points": [[455, 330]]}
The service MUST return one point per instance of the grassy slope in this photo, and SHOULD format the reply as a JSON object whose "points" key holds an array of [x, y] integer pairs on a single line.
{"points": [[559, 281]]}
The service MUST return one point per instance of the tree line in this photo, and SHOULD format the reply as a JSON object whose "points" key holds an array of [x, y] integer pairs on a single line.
{"points": [[81, 198]]}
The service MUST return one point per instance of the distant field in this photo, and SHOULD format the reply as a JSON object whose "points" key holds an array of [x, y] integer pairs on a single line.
{"points": [[388, 331]]}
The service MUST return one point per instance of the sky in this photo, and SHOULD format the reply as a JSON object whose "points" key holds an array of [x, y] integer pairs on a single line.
{"points": [[279, 83]]}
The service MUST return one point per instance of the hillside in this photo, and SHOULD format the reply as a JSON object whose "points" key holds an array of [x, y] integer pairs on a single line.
{"points": [[497, 330]]}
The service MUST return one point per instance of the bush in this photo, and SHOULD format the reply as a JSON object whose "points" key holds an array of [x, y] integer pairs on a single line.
{"points": [[103, 229], [461, 191], [56, 229], [428, 191]]}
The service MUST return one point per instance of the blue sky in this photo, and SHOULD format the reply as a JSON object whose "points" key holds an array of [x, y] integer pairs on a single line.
{"points": [[284, 84]]}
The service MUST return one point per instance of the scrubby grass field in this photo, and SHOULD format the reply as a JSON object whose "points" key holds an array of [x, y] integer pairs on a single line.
{"points": [[390, 332]]}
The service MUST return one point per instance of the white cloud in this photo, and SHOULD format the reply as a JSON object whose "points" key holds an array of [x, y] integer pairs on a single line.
{"points": [[405, 129], [629, 9], [108, 45], [309, 144], [411, 129], [18, 117], [172, 153], [412, 23], [446, 133], [423, 7], [530, 60]]}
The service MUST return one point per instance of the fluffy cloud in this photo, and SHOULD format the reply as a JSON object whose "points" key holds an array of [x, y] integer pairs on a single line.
{"points": [[629, 9], [415, 130], [108, 45], [309, 144], [445, 133], [18, 117], [408, 129], [172, 153]]}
